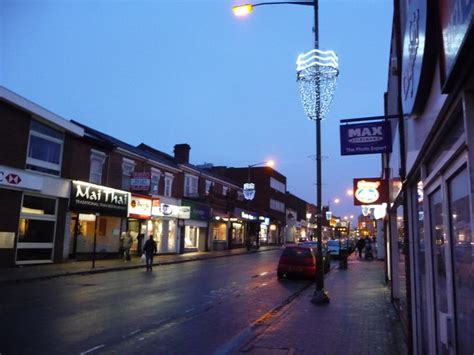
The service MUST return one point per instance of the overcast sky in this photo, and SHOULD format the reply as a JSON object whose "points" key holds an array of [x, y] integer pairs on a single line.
{"points": [[164, 72]]}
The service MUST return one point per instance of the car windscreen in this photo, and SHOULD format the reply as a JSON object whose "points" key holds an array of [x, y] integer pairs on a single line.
{"points": [[297, 252]]}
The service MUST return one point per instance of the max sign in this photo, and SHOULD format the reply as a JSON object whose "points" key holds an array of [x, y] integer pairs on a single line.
{"points": [[366, 138], [370, 191]]}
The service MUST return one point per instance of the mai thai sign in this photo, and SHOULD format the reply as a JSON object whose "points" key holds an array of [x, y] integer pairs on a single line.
{"points": [[370, 191], [366, 138], [86, 197]]}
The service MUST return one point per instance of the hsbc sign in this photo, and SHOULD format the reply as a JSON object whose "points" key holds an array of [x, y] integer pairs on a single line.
{"points": [[10, 177]]}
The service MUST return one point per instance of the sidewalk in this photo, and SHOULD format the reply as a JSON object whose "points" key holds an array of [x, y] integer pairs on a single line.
{"points": [[28, 273], [359, 319]]}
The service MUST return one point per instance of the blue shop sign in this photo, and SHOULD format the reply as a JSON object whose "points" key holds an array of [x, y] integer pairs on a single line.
{"points": [[366, 138]]}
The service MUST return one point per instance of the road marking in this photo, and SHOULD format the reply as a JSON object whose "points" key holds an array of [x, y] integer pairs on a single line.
{"points": [[131, 333], [189, 310], [93, 349]]}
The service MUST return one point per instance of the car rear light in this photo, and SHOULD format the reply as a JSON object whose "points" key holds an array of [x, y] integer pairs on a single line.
{"points": [[308, 261]]}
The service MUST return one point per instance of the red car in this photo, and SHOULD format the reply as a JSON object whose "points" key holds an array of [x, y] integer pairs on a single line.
{"points": [[298, 261]]}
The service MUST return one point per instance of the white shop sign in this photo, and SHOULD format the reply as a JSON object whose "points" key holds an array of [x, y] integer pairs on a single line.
{"points": [[172, 211], [20, 179]]}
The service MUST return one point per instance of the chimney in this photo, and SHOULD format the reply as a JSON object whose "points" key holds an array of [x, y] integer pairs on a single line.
{"points": [[181, 153]]}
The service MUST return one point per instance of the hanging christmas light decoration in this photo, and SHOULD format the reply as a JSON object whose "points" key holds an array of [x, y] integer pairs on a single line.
{"points": [[317, 73]]}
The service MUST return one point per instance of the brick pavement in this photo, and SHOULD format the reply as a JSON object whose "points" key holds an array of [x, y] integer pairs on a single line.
{"points": [[360, 318]]}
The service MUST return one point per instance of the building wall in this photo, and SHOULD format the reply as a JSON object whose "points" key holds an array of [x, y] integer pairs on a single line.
{"points": [[10, 205], [13, 135]]}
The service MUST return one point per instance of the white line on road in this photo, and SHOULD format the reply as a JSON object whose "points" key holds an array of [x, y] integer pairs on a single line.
{"points": [[131, 333], [93, 349], [189, 310]]}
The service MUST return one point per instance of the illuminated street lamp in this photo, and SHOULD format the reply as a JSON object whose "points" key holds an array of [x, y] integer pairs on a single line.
{"points": [[317, 73]]}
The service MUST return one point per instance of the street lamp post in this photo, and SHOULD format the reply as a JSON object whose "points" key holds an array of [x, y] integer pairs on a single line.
{"points": [[317, 72]]}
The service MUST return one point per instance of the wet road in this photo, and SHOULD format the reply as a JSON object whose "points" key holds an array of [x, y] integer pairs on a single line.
{"points": [[194, 307]]}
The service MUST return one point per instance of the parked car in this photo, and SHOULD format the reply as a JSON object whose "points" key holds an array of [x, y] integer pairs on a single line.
{"points": [[298, 261], [326, 255], [334, 247]]}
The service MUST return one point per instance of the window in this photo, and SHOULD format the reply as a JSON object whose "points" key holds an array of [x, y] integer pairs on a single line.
{"points": [[277, 185], [97, 166], [36, 229], [190, 185], [127, 168], [191, 236], [45, 148], [168, 184], [277, 205], [155, 181], [225, 189], [209, 185]]}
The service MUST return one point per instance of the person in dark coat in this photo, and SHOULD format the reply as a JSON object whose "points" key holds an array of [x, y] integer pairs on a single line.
{"points": [[149, 249], [360, 246]]}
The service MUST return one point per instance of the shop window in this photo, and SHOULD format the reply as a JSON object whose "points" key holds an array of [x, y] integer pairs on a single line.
{"points": [[191, 235], [463, 255], [168, 184], [219, 232], [36, 228], [45, 147], [190, 185], [155, 181], [97, 166], [107, 236], [237, 233], [128, 166]]}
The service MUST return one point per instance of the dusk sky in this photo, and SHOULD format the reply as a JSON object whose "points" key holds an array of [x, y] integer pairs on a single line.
{"points": [[164, 72]]}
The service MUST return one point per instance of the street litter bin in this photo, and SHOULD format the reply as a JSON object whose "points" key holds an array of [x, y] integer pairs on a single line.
{"points": [[343, 255]]}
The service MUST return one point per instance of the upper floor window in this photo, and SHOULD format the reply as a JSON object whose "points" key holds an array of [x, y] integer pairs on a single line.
{"points": [[225, 190], [128, 166], [97, 166], [168, 184], [277, 205], [209, 185], [155, 181], [190, 185], [277, 185], [45, 147]]}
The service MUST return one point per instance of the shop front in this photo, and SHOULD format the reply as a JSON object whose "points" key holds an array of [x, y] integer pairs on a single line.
{"points": [[165, 215], [139, 214], [250, 227], [33, 210], [97, 218], [196, 227]]}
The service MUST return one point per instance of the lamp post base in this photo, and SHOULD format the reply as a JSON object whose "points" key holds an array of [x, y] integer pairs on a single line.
{"points": [[320, 297]]}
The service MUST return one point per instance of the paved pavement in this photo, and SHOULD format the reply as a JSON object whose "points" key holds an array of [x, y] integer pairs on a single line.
{"points": [[47, 271], [360, 319]]}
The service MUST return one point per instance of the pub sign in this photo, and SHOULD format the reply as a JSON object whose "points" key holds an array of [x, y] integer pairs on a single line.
{"points": [[370, 191]]}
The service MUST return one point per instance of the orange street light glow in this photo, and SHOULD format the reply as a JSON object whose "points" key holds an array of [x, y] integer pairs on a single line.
{"points": [[242, 10], [350, 192], [270, 163], [336, 200]]}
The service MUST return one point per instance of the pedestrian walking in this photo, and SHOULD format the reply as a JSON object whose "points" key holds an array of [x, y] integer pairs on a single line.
{"points": [[127, 241], [360, 246], [149, 249]]}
